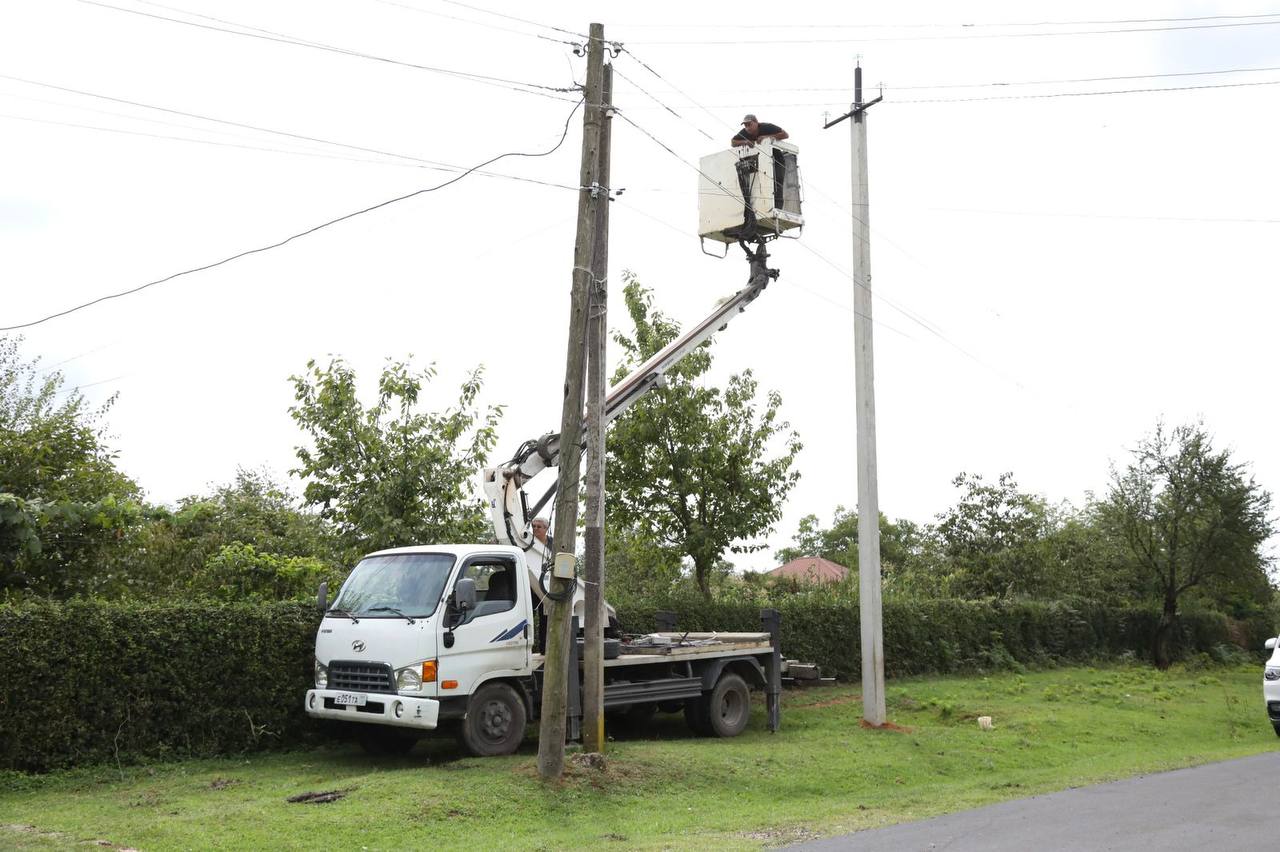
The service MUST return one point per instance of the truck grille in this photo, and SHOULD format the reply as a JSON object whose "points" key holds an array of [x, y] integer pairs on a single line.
{"points": [[360, 677]]}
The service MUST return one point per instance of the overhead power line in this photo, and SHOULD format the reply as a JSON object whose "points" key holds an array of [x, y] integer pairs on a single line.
{"points": [[564, 135], [514, 18], [1042, 95], [961, 24], [967, 36], [436, 14], [254, 33], [431, 164], [995, 84]]}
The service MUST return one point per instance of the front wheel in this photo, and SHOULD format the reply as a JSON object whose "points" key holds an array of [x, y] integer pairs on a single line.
{"points": [[1276, 725], [495, 721]]}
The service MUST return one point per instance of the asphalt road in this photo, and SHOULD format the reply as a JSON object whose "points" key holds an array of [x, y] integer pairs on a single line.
{"points": [[1219, 807]]}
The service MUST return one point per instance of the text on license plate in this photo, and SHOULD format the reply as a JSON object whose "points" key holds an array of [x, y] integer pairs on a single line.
{"points": [[350, 699]]}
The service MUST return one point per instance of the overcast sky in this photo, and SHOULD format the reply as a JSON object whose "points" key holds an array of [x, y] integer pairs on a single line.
{"points": [[1053, 275]]}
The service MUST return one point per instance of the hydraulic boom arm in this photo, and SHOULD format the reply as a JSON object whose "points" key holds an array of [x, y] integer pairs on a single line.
{"points": [[504, 485]]}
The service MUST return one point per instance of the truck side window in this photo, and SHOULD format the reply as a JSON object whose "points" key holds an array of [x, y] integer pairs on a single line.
{"points": [[495, 586]]}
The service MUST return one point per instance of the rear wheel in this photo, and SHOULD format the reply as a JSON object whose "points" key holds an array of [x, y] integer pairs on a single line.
{"points": [[725, 710], [695, 715], [1276, 725], [495, 721]]}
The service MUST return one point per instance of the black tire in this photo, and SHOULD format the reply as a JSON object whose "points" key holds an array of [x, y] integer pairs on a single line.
{"points": [[612, 649], [495, 721], [727, 708], [1276, 725], [695, 715], [381, 741]]}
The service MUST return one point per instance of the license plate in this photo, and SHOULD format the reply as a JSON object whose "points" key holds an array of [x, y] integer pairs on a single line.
{"points": [[350, 699]]}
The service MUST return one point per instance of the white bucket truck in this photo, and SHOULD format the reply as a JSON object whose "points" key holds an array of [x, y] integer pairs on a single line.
{"points": [[447, 637]]}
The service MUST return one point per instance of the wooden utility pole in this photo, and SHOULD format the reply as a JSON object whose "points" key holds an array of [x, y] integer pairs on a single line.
{"points": [[597, 343], [870, 612], [551, 733]]}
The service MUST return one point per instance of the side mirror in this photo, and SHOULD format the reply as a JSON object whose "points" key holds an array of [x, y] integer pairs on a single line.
{"points": [[1270, 644], [322, 597], [464, 595]]}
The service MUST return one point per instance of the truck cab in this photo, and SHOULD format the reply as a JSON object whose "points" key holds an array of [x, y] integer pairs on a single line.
{"points": [[415, 631]]}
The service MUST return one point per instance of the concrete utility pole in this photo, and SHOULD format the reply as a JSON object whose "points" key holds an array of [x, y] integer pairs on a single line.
{"points": [[597, 344], [551, 732], [870, 612]]}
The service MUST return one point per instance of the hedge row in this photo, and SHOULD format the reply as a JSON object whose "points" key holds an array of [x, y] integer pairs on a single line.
{"points": [[93, 682], [939, 636]]}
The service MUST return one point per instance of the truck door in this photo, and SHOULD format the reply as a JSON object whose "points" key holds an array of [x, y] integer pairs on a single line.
{"points": [[494, 638]]}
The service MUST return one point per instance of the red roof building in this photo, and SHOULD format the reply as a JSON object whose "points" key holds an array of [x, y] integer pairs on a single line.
{"points": [[812, 569]]}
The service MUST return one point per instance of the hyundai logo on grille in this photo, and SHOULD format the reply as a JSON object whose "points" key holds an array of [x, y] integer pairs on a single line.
{"points": [[357, 645]]}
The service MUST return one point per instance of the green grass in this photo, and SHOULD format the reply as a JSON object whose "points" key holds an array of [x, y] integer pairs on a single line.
{"points": [[821, 774]]}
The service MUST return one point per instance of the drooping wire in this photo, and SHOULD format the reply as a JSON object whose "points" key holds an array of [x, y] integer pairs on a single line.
{"points": [[564, 135], [297, 153]]}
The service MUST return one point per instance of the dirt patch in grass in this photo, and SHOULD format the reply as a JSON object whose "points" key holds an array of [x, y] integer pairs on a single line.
{"points": [[887, 726], [222, 783], [315, 798]]}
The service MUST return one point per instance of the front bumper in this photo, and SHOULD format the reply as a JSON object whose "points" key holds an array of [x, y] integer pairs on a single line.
{"points": [[379, 709]]}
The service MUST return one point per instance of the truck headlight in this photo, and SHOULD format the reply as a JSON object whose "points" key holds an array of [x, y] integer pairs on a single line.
{"points": [[408, 679], [322, 675], [1272, 673]]}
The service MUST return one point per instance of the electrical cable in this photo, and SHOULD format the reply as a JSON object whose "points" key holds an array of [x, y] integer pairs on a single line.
{"points": [[301, 234], [777, 26], [661, 104], [791, 282], [997, 84], [806, 184], [1049, 34], [514, 18], [923, 323], [484, 79], [1041, 96], [296, 153], [429, 163], [420, 10]]}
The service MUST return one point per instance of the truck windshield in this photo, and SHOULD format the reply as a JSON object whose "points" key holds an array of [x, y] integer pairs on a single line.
{"points": [[409, 582]]}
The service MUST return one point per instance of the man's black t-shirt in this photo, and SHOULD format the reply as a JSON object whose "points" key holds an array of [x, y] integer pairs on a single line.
{"points": [[762, 129]]}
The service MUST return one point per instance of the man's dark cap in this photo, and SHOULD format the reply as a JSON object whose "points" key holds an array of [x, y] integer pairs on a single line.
{"points": [[749, 117]]}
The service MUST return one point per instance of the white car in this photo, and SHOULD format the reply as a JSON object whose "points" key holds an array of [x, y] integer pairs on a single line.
{"points": [[1271, 685]]}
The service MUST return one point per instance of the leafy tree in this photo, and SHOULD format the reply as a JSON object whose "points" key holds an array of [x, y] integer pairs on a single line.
{"points": [[62, 499], [901, 542], [690, 465], [1189, 516], [908, 563], [991, 537], [238, 572], [637, 566], [173, 548], [389, 474]]}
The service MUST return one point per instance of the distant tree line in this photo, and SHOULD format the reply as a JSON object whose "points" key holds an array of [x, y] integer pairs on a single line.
{"points": [[696, 472]]}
